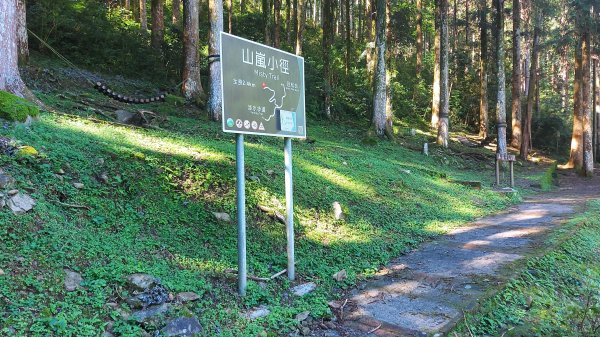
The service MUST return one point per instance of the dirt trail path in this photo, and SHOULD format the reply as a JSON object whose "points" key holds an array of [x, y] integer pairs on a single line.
{"points": [[425, 292]]}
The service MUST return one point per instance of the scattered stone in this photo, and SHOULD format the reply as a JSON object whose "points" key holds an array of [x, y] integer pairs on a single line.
{"points": [[305, 331], [345, 163], [413, 132], [303, 289], [2, 201], [2, 273], [468, 286], [103, 178], [222, 216], [60, 171], [182, 326], [334, 304], [142, 281], [257, 312], [254, 178], [78, 185], [405, 171], [13, 192], [302, 316], [6, 181], [426, 149], [270, 172], [338, 213], [72, 280], [340, 275], [100, 161], [187, 297], [127, 117], [146, 315], [151, 296], [20, 203]]}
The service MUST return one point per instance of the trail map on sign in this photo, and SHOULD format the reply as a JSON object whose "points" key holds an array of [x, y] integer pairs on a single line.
{"points": [[263, 89]]}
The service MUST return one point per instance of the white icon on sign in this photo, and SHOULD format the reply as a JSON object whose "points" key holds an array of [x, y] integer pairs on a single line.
{"points": [[254, 125], [247, 124], [261, 127], [238, 123]]}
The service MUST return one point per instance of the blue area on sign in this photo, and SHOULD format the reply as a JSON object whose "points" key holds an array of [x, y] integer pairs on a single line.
{"points": [[287, 120]]}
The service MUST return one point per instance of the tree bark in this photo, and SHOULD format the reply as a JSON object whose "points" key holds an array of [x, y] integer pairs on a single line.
{"points": [[588, 151], [501, 94], [483, 76], [10, 79], [526, 138], [419, 62], [379, 80], [176, 11], [229, 16], [266, 13], [277, 24], [215, 9], [348, 38], [369, 25], [143, 16], [300, 29], [596, 102], [516, 75], [442, 136], [288, 26], [327, 44], [435, 101], [158, 24], [22, 42], [192, 86], [576, 155]]}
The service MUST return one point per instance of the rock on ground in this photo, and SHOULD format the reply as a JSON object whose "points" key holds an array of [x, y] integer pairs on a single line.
{"points": [[304, 289], [182, 327], [20, 203], [72, 280], [142, 281]]}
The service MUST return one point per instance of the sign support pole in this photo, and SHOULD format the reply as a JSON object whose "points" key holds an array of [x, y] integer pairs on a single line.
{"points": [[241, 213], [289, 203]]}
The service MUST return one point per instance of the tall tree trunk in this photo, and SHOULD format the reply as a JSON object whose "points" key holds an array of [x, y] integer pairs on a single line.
{"points": [[526, 122], [588, 151], [215, 10], [576, 155], [596, 102], [22, 42], [483, 75], [501, 94], [277, 24], [327, 44], [158, 24], [266, 13], [435, 101], [192, 86], [294, 23], [419, 63], [300, 29], [143, 16], [229, 16], [516, 75], [379, 80], [369, 21], [127, 4], [348, 38], [176, 11], [10, 79], [442, 135], [288, 26]]}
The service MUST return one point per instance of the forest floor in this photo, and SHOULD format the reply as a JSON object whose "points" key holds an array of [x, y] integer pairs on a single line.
{"points": [[115, 200], [427, 291]]}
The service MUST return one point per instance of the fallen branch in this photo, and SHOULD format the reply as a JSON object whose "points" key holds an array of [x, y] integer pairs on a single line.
{"points": [[256, 278], [74, 206], [272, 213], [374, 329], [342, 310]]}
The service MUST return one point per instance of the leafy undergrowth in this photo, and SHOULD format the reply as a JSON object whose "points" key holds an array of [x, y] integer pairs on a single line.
{"points": [[151, 194], [558, 294]]}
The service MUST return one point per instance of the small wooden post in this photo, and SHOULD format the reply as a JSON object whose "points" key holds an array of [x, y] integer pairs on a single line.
{"points": [[497, 172], [512, 174]]}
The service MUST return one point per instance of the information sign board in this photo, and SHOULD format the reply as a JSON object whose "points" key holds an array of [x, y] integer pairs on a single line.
{"points": [[262, 89]]}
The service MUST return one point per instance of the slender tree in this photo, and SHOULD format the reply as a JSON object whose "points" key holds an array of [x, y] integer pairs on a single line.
{"points": [[327, 42], [443, 132], [588, 151], [192, 86], [300, 29], [419, 61], [435, 101], [158, 24], [348, 37], [215, 9], [176, 11], [23, 44], [229, 16], [483, 75], [576, 154], [516, 75], [277, 24], [379, 86], [143, 16], [501, 93], [526, 122]]}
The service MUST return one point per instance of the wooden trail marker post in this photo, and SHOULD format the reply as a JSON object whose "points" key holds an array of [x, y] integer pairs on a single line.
{"points": [[509, 158], [263, 94]]}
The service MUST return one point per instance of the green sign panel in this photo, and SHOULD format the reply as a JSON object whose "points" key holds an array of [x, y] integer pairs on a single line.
{"points": [[262, 89]]}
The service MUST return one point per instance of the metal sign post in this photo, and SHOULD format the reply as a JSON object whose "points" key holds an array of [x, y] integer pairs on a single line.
{"points": [[263, 94]]}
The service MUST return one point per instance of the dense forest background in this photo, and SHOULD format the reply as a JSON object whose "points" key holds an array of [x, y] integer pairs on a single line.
{"points": [[338, 41]]}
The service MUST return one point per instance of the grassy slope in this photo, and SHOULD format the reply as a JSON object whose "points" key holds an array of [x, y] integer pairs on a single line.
{"points": [[557, 294], [154, 216]]}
